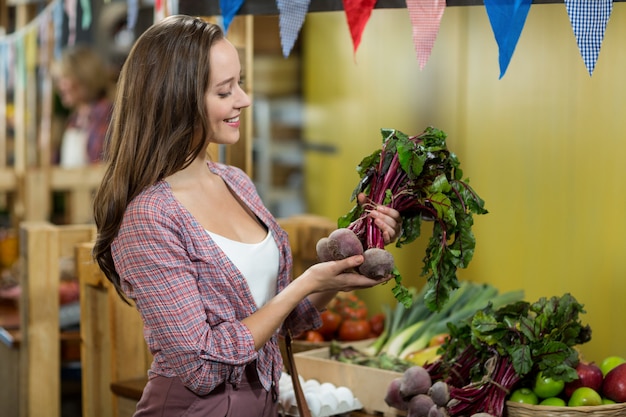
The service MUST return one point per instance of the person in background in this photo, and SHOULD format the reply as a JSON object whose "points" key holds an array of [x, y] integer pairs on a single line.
{"points": [[188, 238], [83, 83]]}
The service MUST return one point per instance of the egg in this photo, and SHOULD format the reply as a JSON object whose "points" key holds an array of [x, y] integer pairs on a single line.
{"points": [[314, 403], [288, 399], [311, 385], [329, 400], [344, 396], [327, 386]]}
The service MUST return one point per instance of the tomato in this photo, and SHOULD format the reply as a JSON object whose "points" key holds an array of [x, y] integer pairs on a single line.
{"points": [[314, 336], [330, 324], [351, 330], [349, 306], [377, 323]]}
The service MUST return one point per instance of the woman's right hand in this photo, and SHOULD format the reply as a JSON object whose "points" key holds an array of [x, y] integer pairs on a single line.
{"points": [[339, 276]]}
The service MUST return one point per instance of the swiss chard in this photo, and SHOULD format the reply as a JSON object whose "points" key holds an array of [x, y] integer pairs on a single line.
{"points": [[421, 178]]}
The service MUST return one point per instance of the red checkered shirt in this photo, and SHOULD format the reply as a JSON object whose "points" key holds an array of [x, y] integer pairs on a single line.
{"points": [[191, 297]]}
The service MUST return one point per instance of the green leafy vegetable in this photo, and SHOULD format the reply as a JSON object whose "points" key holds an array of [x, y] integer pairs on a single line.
{"points": [[421, 178], [487, 355]]}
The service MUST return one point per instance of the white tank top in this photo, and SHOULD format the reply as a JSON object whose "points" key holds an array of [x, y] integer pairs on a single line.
{"points": [[258, 263]]}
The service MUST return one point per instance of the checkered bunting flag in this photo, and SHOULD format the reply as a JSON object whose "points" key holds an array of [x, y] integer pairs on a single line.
{"points": [[507, 18], [290, 20], [589, 19], [229, 10], [425, 18]]}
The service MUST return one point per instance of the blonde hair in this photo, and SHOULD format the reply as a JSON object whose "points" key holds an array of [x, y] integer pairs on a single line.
{"points": [[87, 67]]}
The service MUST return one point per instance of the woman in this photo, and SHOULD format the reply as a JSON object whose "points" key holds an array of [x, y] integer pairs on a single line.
{"points": [[189, 240], [84, 85]]}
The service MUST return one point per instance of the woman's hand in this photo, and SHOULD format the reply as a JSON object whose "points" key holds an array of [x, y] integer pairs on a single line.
{"points": [[387, 219], [339, 276]]}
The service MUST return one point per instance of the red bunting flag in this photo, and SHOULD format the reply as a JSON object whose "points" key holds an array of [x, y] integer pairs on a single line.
{"points": [[358, 13], [425, 18]]}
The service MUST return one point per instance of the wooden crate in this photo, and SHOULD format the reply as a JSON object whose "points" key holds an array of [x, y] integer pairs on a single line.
{"points": [[369, 385], [304, 231]]}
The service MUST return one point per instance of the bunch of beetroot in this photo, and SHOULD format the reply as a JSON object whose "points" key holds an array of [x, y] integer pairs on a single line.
{"points": [[421, 178]]}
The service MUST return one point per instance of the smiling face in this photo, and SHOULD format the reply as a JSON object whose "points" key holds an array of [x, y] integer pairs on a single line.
{"points": [[225, 98]]}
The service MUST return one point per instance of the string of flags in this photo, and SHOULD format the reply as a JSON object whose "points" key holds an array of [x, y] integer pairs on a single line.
{"points": [[507, 18]]}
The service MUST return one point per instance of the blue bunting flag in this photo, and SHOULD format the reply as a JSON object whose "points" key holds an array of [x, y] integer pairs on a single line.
{"points": [[589, 19], [290, 19], [507, 18], [229, 10]]}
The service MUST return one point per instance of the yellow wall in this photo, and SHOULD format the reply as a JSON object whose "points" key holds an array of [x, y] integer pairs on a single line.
{"points": [[544, 145]]}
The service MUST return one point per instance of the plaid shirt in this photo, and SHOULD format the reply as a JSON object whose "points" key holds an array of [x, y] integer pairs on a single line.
{"points": [[190, 295], [99, 118]]}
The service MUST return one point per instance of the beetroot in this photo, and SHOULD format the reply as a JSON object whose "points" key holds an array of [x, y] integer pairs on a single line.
{"points": [[614, 385], [415, 380], [420, 178], [343, 243], [340, 244], [393, 398], [420, 405], [440, 393], [378, 263]]}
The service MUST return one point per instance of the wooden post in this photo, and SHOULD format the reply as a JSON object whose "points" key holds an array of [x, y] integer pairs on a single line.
{"points": [[42, 246]]}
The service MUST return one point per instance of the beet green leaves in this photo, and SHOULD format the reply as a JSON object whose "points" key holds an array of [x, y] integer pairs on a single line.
{"points": [[421, 178]]}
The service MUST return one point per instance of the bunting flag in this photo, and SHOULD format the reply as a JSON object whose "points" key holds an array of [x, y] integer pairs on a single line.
{"points": [[132, 13], [290, 19], [85, 21], [425, 18], [507, 20], [229, 10], [589, 19], [159, 10], [70, 10], [358, 13]]}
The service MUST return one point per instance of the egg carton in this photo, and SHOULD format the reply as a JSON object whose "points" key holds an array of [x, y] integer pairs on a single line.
{"points": [[323, 398]]}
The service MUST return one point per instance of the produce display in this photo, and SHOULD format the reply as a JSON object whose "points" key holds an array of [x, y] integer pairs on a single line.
{"points": [[522, 353], [414, 336], [422, 179]]}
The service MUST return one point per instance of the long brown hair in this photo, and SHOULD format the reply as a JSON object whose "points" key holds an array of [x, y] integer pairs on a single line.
{"points": [[159, 110]]}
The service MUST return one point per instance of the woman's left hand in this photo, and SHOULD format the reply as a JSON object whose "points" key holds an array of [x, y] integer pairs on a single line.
{"points": [[387, 219]]}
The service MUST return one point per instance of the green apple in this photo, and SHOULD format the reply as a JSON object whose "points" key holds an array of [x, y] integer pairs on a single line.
{"points": [[524, 396], [610, 362], [555, 401], [607, 401], [545, 387], [584, 396]]}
